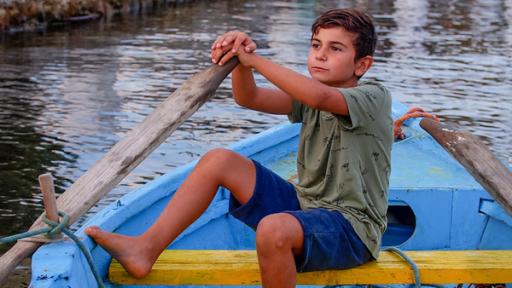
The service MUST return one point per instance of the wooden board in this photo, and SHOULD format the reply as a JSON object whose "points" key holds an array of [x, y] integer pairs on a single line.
{"points": [[240, 267]]}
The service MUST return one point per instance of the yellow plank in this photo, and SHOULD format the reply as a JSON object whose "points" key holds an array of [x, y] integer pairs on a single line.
{"points": [[221, 267]]}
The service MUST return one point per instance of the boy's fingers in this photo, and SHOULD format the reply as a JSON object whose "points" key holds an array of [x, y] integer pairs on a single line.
{"points": [[250, 46], [217, 53], [236, 37], [228, 40], [226, 57], [231, 37], [216, 41], [219, 42], [238, 41]]}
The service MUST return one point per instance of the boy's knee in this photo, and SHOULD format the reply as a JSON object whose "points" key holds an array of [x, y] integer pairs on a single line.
{"points": [[273, 233], [215, 158]]}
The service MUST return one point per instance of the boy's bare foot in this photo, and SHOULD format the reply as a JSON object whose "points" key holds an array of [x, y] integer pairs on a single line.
{"points": [[129, 251]]}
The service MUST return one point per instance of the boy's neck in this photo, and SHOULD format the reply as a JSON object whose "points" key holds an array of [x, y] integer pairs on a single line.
{"points": [[347, 84]]}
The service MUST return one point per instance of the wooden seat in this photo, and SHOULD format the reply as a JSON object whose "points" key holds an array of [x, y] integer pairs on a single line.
{"points": [[240, 267]]}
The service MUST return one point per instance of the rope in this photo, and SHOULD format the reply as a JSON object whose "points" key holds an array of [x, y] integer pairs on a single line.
{"points": [[53, 229], [417, 281], [414, 112]]}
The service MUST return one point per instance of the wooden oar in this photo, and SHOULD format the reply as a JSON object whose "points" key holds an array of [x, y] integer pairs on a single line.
{"points": [[127, 154], [472, 153]]}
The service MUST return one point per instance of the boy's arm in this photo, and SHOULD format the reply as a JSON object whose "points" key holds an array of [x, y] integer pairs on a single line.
{"points": [[247, 94], [308, 91]]}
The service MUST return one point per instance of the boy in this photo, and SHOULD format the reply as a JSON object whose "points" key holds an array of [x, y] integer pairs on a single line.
{"points": [[334, 218]]}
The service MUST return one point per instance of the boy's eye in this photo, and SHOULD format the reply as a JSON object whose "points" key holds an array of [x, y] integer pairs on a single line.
{"points": [[336, 49], [315, 45]]}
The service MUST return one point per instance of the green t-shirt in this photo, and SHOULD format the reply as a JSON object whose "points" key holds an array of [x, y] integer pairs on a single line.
{"points": [[343, 162]]}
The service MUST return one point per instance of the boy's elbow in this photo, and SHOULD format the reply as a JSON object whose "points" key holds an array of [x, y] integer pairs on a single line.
{"points": [[239, 102], [242, 102]]}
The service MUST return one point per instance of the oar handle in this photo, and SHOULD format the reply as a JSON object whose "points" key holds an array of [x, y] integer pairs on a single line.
{"points": [[478, 160]]}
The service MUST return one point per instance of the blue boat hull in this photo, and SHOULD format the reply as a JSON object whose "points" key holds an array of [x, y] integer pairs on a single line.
{"points": [[434, 205]]}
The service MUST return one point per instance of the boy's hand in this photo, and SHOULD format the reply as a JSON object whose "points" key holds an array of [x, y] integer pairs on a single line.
{"points": [[227, 45], [244, 57], [236, 38]]}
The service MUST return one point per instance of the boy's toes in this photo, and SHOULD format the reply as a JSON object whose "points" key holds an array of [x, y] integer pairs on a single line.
{"points": [[93, 231]]}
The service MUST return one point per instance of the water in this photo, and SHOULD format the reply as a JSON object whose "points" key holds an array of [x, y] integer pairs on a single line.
{"points": [[67, 96]]}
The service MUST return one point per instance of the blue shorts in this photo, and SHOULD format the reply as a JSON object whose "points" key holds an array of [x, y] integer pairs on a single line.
{"points": [[330, 242]]}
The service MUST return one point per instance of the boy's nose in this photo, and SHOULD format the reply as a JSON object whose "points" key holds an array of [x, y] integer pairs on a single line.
{"points": [[321, 56]]}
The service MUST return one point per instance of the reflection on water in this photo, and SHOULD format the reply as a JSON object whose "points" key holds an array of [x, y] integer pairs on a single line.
{"points": [[68, 96]]}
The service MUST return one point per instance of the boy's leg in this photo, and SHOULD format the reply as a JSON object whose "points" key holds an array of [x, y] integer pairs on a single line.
{"points": [[278, 238], [216, 168]]}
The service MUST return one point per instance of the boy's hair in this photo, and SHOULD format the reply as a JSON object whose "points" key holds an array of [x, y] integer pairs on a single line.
{"points": [[354, 21]]}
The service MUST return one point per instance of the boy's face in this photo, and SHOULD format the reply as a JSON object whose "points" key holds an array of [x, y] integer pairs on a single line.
{"points": [[331, 58]]}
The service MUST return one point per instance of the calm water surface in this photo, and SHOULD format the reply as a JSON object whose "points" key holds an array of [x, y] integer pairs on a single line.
{"points": [[67, 96]]}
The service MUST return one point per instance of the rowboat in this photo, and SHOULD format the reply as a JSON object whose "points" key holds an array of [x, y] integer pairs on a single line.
{"points": [[434, 205]]}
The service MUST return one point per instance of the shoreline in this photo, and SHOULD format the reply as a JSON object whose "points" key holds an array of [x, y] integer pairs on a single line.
{"points": [[17, 16]]}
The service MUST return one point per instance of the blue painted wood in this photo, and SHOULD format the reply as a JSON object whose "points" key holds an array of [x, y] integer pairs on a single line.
{"points": [[436, 203], [442, 205], [467, 217]]}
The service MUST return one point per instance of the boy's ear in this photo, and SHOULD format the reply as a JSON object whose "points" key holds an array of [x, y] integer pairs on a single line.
{"points": [[362, 65]]}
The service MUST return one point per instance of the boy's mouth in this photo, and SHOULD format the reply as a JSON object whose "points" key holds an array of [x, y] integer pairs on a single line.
{"points": [[318, 69]]}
